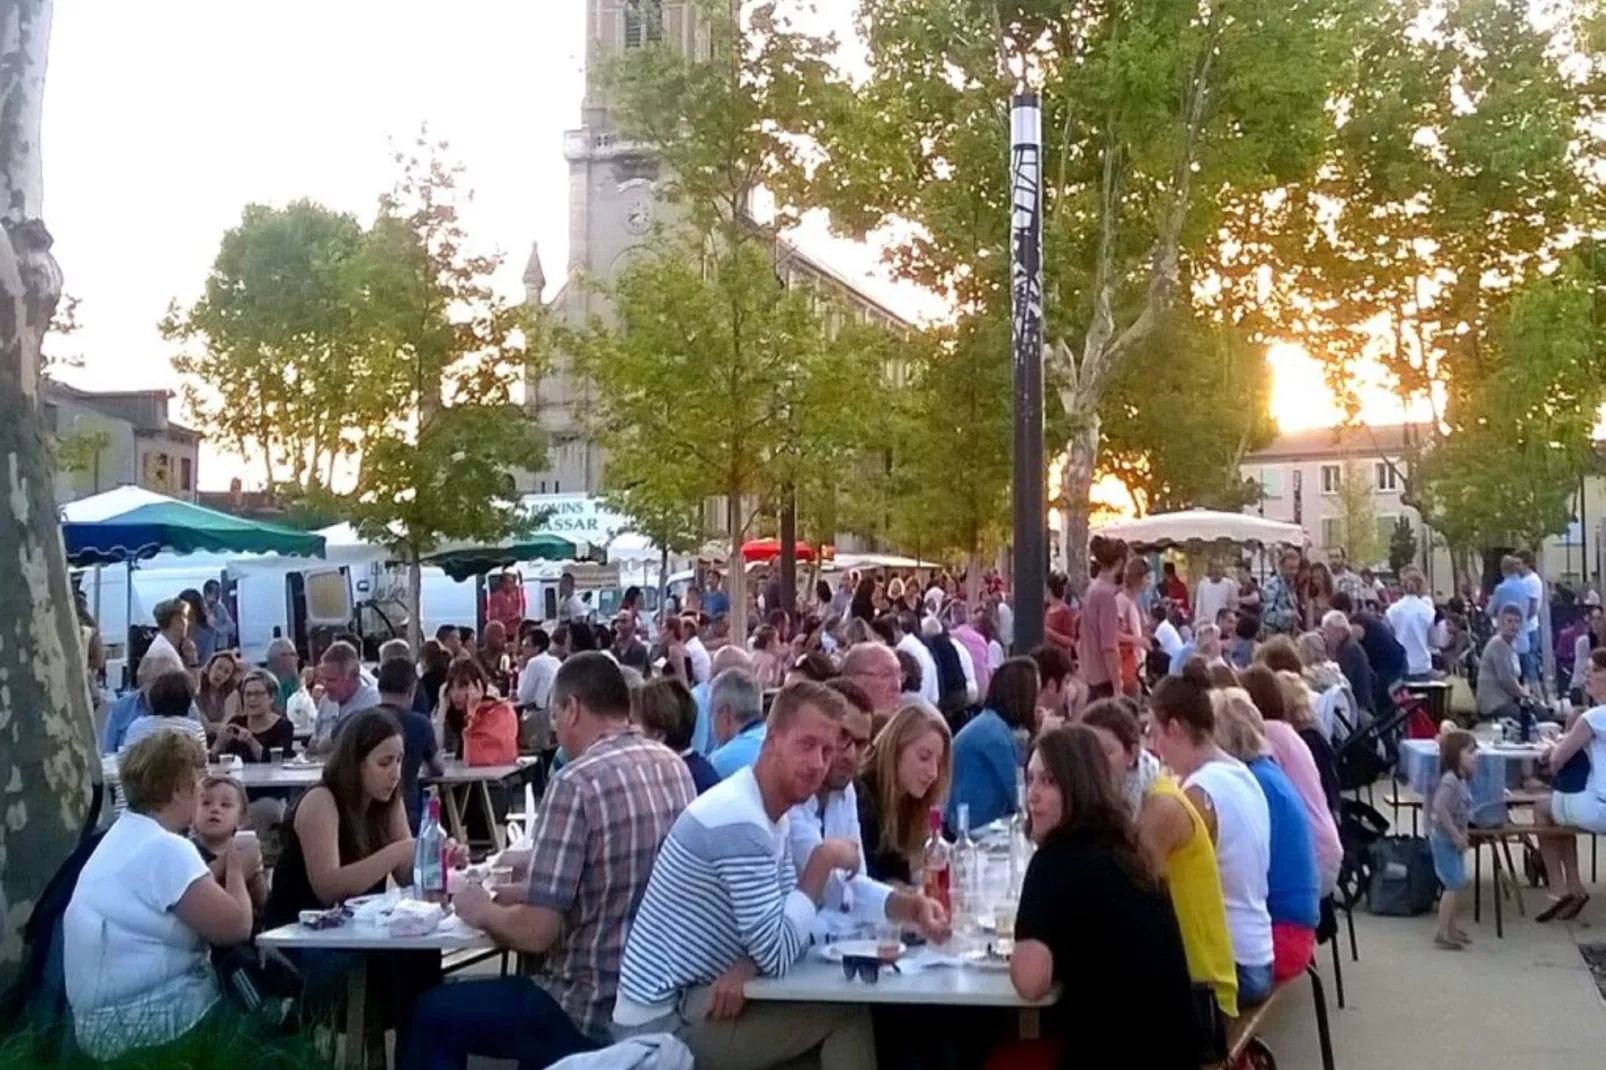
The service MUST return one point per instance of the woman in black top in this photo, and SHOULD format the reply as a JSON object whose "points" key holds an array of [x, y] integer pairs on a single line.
{"points": [[349, 832], [255, 733], [1095, 919]]}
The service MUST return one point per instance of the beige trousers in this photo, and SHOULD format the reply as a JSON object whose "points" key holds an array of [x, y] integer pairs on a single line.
{"points": [[769, 1034]]}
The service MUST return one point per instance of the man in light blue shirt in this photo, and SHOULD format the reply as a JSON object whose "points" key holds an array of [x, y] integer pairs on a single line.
{"points": [[737, 703], [703, 740]]}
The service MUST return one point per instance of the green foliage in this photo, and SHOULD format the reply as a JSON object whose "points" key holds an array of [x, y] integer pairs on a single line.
{"points": [[721, 373], [1520, 438], [221, 1041], [1162, 120], [952, 460], [445, 356], [274, 347], [1402, 545], [1466, 165], [1181, 414], [1357, 515], [79, 451], [696, 378]]}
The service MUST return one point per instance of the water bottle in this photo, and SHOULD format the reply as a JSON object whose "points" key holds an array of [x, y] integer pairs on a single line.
{"points": [[1525, 722], [965, 886], [429, 855], [1020, 846]]}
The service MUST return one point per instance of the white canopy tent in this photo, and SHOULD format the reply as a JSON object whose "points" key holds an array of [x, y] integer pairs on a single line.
{"points": [[1200, 529]]}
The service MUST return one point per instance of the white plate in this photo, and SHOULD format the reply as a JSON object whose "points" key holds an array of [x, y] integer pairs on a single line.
{"points": [[860, 949], [983, 959]]}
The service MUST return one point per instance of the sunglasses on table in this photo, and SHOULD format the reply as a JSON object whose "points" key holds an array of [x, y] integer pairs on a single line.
{"points": [[866, 967]]}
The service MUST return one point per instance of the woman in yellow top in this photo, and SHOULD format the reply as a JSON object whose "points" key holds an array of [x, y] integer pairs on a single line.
{"points": [[1177, 840]]}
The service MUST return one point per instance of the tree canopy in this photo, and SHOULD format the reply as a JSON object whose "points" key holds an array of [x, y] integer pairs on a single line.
{"points": [[273, 348], [1162, 121]]}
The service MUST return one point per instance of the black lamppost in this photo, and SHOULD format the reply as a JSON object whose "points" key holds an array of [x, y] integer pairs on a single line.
{"points": [[1030, 565]]}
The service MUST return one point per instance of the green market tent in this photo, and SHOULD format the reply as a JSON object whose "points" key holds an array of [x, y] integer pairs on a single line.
{"points": [[130, 523]]}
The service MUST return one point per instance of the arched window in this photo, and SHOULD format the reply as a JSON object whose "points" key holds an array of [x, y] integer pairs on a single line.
{"points": [[644, 22]]}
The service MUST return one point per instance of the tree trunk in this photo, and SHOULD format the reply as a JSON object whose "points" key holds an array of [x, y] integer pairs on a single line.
{"points": [[415, 601], [663, 580], [789, 551], [1083, 449], [47, 756], [736, 570]]}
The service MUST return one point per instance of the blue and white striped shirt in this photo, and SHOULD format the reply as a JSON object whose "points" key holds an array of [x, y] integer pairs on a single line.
{"points": [[723, 888]]}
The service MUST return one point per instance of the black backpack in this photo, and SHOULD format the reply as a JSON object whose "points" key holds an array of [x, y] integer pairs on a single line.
{"points": [[37, 1000]]}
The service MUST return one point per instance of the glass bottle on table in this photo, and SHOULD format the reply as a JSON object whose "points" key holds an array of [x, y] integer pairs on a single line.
{"points": [[1020, 844], [429, 855], [965, 884], [934, 864]]}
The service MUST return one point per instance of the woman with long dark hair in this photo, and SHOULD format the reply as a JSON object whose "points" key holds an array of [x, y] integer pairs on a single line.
{"points": [[1095, 918], [349, 832], [342, 839], [202, 633], [863, 605]]}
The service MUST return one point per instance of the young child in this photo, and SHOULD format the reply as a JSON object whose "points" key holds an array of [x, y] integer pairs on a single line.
{"points": [[1447, 829], [219, 809]]}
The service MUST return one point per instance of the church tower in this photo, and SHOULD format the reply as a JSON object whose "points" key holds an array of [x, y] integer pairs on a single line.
{"points": [[612, 206]]}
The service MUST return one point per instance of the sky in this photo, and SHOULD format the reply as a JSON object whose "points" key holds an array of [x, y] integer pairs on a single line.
{"points": [[163, 120]]}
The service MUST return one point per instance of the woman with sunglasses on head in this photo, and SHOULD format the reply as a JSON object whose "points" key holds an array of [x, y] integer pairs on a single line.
{"points": [[257, 730], [1095, 918]]}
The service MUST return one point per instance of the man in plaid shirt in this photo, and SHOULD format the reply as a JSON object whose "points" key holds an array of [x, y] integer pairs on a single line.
{"points": [[601, 823]]}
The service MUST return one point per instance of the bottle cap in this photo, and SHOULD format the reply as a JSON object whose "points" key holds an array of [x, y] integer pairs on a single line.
{"points": [[934, 819]]}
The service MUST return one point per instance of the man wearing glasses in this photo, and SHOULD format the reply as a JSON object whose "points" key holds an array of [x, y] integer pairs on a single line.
{"points": [[851, 899]]}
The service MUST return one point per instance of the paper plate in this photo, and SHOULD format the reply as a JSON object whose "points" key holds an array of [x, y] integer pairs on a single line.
{"points": [[861, 949]]}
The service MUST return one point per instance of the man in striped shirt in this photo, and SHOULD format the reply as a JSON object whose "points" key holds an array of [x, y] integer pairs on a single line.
{"points": [[726, 903], [600, 825]]}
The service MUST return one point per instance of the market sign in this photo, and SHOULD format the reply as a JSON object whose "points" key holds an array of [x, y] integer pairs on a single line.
{"points": [[577, 516]]}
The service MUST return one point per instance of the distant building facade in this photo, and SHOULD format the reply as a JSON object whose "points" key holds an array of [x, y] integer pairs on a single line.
{"points": [[111, 438], [613, 204], [1300, 472]]}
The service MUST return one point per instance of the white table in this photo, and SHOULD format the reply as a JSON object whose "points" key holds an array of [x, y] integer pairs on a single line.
{"points": [[292, 776], [816, 980], [364, 938]]}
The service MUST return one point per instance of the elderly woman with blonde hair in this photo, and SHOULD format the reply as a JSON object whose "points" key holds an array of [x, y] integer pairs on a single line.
{"points": [[137, 933], [1293, 889]]}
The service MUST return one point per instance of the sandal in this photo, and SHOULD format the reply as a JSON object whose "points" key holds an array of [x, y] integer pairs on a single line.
{"points": [[1446, 944], [1461, 938], [1574, 908], [1554, 910]]}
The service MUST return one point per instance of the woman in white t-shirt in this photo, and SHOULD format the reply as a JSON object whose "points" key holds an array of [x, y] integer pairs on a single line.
{"points": [[1580, 809], [146, 910]]}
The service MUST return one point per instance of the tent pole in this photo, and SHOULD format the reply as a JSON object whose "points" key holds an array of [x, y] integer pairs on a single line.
{"points": [[128, 623]]}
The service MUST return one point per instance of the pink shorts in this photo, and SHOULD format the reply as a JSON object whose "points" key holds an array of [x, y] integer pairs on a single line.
{"points": [[1292, 948]]}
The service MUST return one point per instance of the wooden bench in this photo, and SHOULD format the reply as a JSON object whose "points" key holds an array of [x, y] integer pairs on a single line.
{"points": [[1499, 840], [1407, 799], [1243, 1040]]}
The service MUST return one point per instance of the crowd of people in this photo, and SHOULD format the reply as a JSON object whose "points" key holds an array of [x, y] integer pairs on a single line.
{"points": [[716, 806]]}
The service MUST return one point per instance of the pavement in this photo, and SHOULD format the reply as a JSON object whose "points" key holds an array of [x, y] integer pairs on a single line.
{"points": [[1526, 1001]]}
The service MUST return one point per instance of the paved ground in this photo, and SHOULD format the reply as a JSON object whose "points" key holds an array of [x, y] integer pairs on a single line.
{"points": [[1526, 1001]]}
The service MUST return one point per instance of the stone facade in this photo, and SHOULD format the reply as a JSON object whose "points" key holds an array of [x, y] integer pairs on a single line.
{"points": [[130, 441], [612, 206]]}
